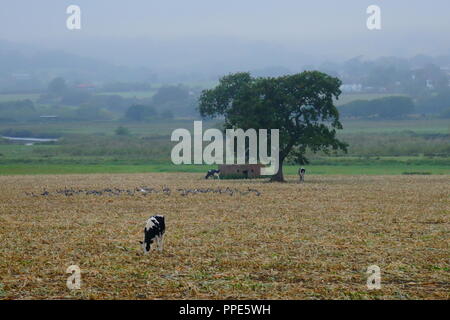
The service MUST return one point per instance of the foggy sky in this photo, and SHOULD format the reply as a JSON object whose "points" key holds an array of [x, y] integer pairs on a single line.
{"points": [[235, 33]]}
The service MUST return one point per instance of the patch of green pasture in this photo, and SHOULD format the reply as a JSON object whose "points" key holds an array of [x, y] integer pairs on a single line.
{"points": [[4, 97], [131, 94], [152, 128], [25, 169], [436, 126], [165, 127], [349, 97], [374, 169]]}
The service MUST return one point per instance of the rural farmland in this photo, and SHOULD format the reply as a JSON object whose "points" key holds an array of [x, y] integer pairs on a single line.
{"points": [[225, 160], [258, 240]]}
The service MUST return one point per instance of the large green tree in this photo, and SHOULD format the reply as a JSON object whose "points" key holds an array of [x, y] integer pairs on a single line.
{"points": [[301, 106]]}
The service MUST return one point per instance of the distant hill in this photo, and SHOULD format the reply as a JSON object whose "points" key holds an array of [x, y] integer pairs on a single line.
{"points": [[29, 69]]}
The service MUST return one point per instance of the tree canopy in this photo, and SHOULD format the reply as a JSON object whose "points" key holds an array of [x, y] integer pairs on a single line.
{"points": [[301, 106]]}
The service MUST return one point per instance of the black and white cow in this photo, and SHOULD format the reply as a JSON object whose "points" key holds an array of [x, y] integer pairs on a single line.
{"points": [[213, 173], [154, 231], [301, 174]]}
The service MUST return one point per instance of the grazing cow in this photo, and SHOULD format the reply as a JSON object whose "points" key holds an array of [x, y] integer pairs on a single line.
{"points": [[213, 173], [154, 231], [301, 174]]}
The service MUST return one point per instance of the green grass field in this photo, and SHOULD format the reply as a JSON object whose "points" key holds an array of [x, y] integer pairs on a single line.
{"points": [[370, 169], [165, 127], [349, 97], [376, 147], [131, 94], [4, 97], [432, 126], [152, 128], [343, 99]]}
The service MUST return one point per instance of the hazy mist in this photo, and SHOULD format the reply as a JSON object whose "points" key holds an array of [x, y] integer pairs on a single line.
{"points": [[223, 36]]}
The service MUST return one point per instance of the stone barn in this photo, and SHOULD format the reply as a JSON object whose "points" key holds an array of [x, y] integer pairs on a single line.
{"points": [[240, 170]]}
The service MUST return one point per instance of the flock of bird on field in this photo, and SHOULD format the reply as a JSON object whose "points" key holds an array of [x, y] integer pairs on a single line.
{"points": [[145, 191], [156, 225]]}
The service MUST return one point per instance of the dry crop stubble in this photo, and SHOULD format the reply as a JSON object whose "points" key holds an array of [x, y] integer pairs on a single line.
{"points": [[294, 241]]}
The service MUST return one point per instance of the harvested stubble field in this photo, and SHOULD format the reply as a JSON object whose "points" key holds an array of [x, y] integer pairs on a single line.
{"points": [[294, 241]]}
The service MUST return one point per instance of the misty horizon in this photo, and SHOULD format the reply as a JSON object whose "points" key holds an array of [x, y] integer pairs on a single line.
{"points": [[206, 37]]}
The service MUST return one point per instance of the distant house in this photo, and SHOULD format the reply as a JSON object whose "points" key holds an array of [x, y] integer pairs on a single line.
{"points": [[240, 170]]}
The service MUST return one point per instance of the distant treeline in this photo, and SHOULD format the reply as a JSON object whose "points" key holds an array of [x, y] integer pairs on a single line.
{"points": [[397, 107], [68, 103], [14, 110], [84, 103], [384, 108]]}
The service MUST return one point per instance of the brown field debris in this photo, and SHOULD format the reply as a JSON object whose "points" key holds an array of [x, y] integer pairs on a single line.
{"points": [[313, 240]]}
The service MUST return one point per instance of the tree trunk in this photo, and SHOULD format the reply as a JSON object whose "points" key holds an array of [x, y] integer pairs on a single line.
{"points": [[279, 176]]}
